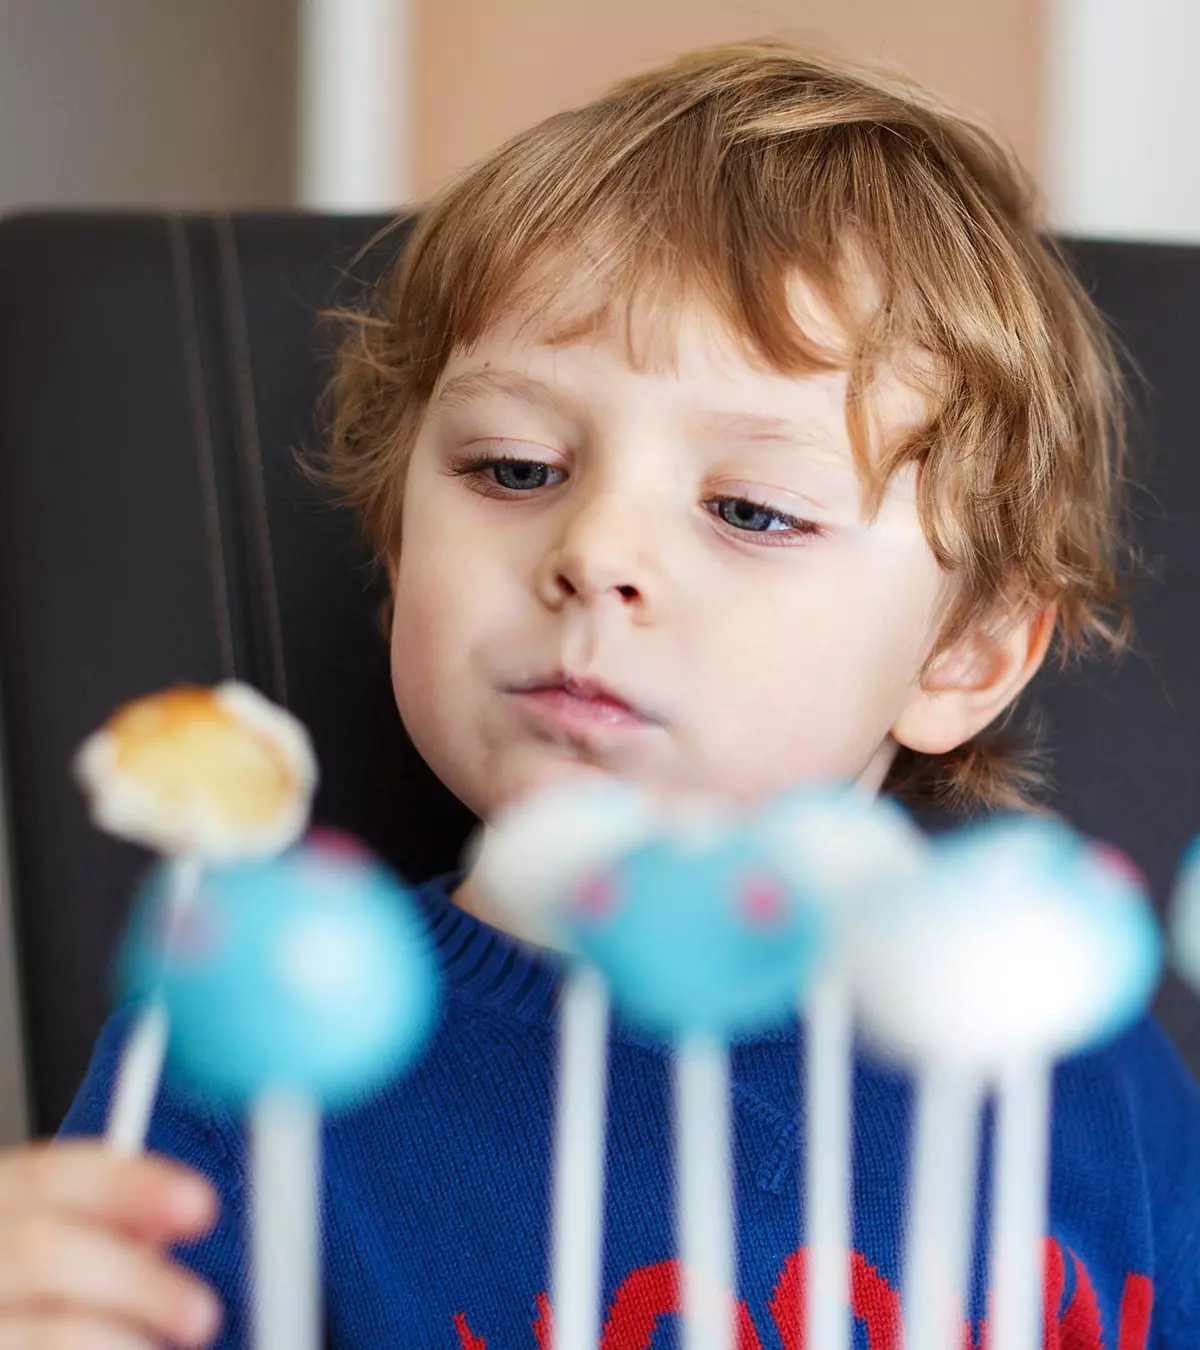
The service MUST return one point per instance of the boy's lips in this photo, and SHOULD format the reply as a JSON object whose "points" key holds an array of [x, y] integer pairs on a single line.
{"points": [[572, 704]]}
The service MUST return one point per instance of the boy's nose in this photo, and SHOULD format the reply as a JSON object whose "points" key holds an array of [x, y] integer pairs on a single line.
{"points": [[599, 555], [566, 588]]}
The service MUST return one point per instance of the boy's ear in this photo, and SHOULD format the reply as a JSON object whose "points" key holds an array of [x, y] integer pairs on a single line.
{"points": [[972, 681]]}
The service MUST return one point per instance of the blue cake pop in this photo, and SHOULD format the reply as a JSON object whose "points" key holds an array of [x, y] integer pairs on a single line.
{"points": [[311, 971], [697, 933], [1185, 916]]}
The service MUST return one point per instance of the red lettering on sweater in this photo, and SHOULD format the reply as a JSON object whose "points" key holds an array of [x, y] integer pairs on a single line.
{"points": [[652, 1292], [1054, 1281], [543, 1325], [1137, 1303], [872, 1299], [467, 1338], [1080, 1326]]}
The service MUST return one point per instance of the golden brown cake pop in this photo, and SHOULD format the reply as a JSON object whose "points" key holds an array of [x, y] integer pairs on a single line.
{"points": [[216, 773]]}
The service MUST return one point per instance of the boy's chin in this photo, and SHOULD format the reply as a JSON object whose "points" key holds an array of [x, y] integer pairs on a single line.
{"points": [[563, 775], [526, 775], [543, 777]]}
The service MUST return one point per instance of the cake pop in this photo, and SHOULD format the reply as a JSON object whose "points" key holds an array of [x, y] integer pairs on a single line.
{"points": [[1021, 943], [837, 844], [526, 863], [702, 941], [291, 985], [535, 849], [199, 775], [219, 774], [1185, 917]]}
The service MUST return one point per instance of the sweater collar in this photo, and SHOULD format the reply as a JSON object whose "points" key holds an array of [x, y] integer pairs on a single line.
{"points": [[490, 967], [486, 965]]}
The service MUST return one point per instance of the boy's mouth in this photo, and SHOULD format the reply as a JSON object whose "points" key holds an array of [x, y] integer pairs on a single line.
{"points": [[575, 704]]}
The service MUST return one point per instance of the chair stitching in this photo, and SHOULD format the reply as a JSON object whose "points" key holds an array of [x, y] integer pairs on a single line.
{"points": [[243, 379], [202, 431]]}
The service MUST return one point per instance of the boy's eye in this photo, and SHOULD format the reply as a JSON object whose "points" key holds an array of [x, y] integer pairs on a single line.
{"points": [[498, 476], [755, 518], [519, 475]]}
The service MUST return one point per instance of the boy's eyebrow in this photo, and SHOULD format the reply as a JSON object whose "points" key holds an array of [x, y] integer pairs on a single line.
{"points": [[743, 426], [460, 390], [472, 384]]}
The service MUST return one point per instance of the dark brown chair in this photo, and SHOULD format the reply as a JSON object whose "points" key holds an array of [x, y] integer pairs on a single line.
{"points": [[156, 376]]}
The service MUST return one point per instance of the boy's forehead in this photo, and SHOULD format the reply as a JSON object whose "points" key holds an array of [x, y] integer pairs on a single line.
{"points": [[674, 330], [659, 321]]}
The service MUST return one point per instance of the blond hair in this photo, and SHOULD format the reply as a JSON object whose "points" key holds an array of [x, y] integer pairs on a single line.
{"points": [[718, 177]]}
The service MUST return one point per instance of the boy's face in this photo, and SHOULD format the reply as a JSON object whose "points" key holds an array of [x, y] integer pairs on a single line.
{"points": [[661, 574]]}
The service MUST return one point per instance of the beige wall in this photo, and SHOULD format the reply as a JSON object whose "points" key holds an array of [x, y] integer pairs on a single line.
{"points": [[484, 69], [146, 103]]}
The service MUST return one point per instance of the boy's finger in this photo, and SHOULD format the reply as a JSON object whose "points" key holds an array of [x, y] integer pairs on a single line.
{"points": [[51, 1265], [62, 1331], [149, 1197]]}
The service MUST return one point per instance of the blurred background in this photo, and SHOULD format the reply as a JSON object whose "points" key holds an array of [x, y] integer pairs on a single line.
{"points": [[359, 105], [362, 104]]}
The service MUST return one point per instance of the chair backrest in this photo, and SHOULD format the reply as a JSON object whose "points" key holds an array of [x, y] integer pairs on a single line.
{"points": [[157, 375]]}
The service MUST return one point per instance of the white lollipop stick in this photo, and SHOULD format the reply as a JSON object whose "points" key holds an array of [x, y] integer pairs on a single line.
{"points": [[285, 1225], [578, 1214], [839, 849], [827, 1166], [938, 1250], [1020, 1205], [705, 1194], [137, 1082], [140, 1070]]}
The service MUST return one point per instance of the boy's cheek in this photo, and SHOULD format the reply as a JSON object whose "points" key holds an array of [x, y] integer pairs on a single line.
{"points": [[821, 693], [411, 684], [417, 639]]}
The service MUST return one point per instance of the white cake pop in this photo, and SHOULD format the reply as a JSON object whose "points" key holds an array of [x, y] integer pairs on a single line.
{"points": [[527, 858], [1021, 940], [1021, 943]]}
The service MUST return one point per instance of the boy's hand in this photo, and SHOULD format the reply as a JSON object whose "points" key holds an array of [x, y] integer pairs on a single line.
{"points": [[82, 1259]]}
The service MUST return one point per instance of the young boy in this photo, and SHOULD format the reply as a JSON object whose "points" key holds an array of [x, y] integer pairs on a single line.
{"points": [[734, 430]]}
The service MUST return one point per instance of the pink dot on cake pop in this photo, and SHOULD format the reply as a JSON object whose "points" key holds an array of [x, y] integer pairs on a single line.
{"points": [[1120, 864], [761, 901], [336, 845], [189, 934], [596, 897]]}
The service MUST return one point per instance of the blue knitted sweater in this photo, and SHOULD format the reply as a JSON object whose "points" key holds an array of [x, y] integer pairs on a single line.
{"points": [[436, 1193]]}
